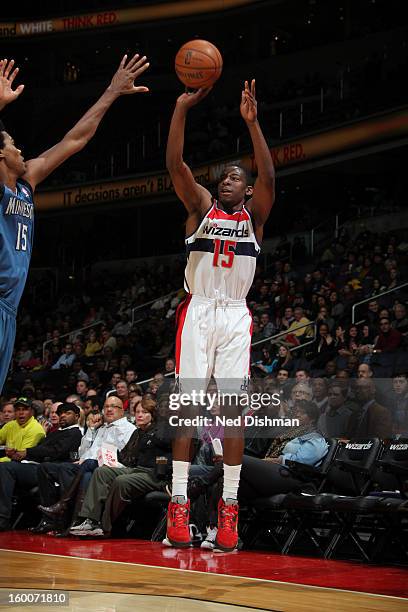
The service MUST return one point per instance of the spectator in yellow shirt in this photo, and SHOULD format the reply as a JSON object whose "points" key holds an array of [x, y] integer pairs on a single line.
{"points": [[23, 432], [93, 346], [301, 333]]}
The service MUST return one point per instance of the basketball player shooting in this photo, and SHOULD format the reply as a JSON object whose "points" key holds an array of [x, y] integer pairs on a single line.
{"points": [[214, 324], [19, 178]]}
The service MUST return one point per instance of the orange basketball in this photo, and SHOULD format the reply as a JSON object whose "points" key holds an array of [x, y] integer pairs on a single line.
{"points": [[198, 64]]}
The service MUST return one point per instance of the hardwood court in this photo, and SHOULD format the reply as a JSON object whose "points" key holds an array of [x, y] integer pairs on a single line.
{"points": [[194, 575]]}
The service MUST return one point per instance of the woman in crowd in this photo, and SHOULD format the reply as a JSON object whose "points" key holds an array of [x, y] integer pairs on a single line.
{"points": [[393, 279], [112, 489], [283, 360], [351, 342], [135, 399], [377, 288], [265, 364], [314, 306], [323, 348], [304, 444], [366, 343], [336, 308], [340, 338]]}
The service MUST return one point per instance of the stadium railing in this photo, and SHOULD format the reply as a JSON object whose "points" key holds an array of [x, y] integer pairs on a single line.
{"points": [[150, 302], [269, 339], [371, 299], [71, 334], [288, 333]]}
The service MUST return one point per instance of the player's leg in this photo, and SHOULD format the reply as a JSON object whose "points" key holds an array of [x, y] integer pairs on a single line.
{"points": [[231, 370], [7, 337], [193, 367]]}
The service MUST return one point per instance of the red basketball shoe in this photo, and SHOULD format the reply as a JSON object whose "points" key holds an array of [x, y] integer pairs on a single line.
{"points": [[227, 534], [178, 515]]}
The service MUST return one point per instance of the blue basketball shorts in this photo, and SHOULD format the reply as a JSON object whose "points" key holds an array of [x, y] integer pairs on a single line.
{"points": [[7, 337]]}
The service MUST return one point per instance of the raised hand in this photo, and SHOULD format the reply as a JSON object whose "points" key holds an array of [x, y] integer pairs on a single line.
{"points": [[188, 100], [7, 76], [123, 81], [248, 103]]}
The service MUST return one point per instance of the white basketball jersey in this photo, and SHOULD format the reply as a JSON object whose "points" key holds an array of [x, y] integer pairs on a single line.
{"points": [[221, 255]]}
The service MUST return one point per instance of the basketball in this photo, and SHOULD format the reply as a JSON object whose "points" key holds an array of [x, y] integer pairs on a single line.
{"points": [[198, 64]]}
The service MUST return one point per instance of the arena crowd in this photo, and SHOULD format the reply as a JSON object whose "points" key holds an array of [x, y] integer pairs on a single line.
{"points": [[69, 402]]}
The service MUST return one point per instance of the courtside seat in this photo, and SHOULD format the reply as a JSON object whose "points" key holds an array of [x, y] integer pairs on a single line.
{"points": [[348, 469], [149, 512], [269, 503], [24, 507], [365, 504], [316, 474], [309, 474], [156, 498], [312, 477], [266, 508], [373, 523], [315, 503], [352, 469], [394, 464], [158, 501]]}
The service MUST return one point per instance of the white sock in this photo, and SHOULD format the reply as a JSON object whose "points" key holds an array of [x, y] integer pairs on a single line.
{"points": [[180, 478], [231, 481]]}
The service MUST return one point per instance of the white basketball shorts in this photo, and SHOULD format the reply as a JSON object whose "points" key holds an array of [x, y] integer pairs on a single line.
{"points": [[213, 339]]}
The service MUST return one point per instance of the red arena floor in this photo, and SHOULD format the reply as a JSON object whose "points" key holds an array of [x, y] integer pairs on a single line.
{"points": [[388, 581]]}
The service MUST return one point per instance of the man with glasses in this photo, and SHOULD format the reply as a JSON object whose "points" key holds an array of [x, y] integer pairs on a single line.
{"points": [[75, 477]]}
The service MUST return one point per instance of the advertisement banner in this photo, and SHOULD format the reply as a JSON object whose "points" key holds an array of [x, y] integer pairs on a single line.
{"points": [[103, 19], [362, 133]]}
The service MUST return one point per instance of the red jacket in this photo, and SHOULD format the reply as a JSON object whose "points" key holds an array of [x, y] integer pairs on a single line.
{"points": [[389, 342]]}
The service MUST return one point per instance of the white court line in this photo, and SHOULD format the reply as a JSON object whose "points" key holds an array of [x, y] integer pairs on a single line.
{"points": [[179, 569]]}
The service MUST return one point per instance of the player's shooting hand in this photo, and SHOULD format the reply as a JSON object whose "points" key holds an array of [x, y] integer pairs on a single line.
{"points": [[248, 103], [190, 99], [123, 81], [7, 76]]}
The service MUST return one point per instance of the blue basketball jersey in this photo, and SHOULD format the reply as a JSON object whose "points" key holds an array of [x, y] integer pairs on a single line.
{"points": [[16, 240]]}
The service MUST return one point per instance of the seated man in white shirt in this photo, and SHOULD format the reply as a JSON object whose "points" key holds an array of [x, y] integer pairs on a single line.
{"points": [[74, 478], [66, 359]]}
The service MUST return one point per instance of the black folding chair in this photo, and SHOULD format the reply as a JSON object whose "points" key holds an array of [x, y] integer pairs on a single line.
{"points": [[274, 512], [349, 472], [24, 507], [394, 464], [381, 518]]}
